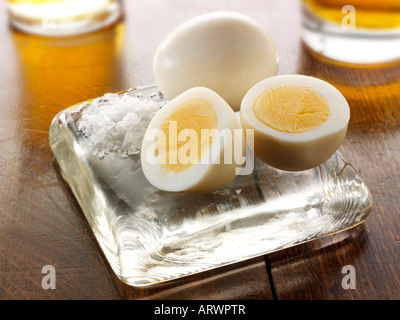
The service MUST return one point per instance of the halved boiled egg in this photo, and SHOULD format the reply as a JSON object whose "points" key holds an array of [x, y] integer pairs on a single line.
{"points": [[299, 122], [191, 142]]}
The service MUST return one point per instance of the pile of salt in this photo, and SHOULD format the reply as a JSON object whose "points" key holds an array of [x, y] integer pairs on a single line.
{"points": [[116, 123]]}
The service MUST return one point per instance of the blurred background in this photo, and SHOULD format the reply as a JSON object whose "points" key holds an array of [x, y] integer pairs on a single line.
{"points": [[55, 54], [108, 45]]}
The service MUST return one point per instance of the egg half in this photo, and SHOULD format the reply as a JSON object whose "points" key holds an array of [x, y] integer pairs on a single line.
{"points": [[227, 52], [299, 121], [190, 144]]}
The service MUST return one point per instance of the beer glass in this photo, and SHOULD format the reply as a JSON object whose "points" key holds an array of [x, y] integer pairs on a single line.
{"points": [[353, 31], [62, 17]]}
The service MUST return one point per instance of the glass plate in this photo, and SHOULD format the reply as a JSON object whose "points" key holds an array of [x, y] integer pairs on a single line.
{"points": [[150, 236]]}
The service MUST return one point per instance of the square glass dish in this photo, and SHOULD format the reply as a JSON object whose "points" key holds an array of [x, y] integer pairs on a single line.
{"points": [[150, 236]]}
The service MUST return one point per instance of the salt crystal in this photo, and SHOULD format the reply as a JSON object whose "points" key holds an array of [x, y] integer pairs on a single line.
{"points": [[116, 123]]}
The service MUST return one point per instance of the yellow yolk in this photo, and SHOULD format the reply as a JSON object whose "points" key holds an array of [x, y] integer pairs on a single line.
{"points": [[188, 134], [291, 108]]}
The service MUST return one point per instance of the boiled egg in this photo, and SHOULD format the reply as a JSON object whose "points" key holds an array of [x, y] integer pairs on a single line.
{"points": [[191, 144], [299, 121], [227, 52]]}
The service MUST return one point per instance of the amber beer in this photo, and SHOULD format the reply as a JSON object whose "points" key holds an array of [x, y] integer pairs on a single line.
{"points": [[60, 17], [370, 14], [362, 32]]}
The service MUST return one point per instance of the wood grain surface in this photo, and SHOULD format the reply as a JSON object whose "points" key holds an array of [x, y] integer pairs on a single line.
{"points": [[42, 224]]}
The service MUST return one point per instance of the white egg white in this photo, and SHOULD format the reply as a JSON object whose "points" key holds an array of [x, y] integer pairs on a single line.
{"points": [[227, 52], [212, 172], [303, 150]]}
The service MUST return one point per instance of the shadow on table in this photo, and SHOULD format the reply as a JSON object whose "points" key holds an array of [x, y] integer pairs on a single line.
{"points": [[314, 270]]}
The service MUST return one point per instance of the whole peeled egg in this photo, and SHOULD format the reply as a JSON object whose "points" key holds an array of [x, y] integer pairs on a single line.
{"points": [[299, 121], [227, 52]]}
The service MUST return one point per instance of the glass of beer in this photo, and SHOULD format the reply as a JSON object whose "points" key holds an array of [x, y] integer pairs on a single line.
{"points": [[353, 31], [62, 17]]}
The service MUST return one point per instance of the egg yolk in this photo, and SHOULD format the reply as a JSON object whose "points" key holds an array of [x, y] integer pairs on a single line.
{"points": [[188, 130], [291, 108]]}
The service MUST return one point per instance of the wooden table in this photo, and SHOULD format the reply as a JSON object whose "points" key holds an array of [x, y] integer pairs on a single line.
{"points": [[42, 224]]}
